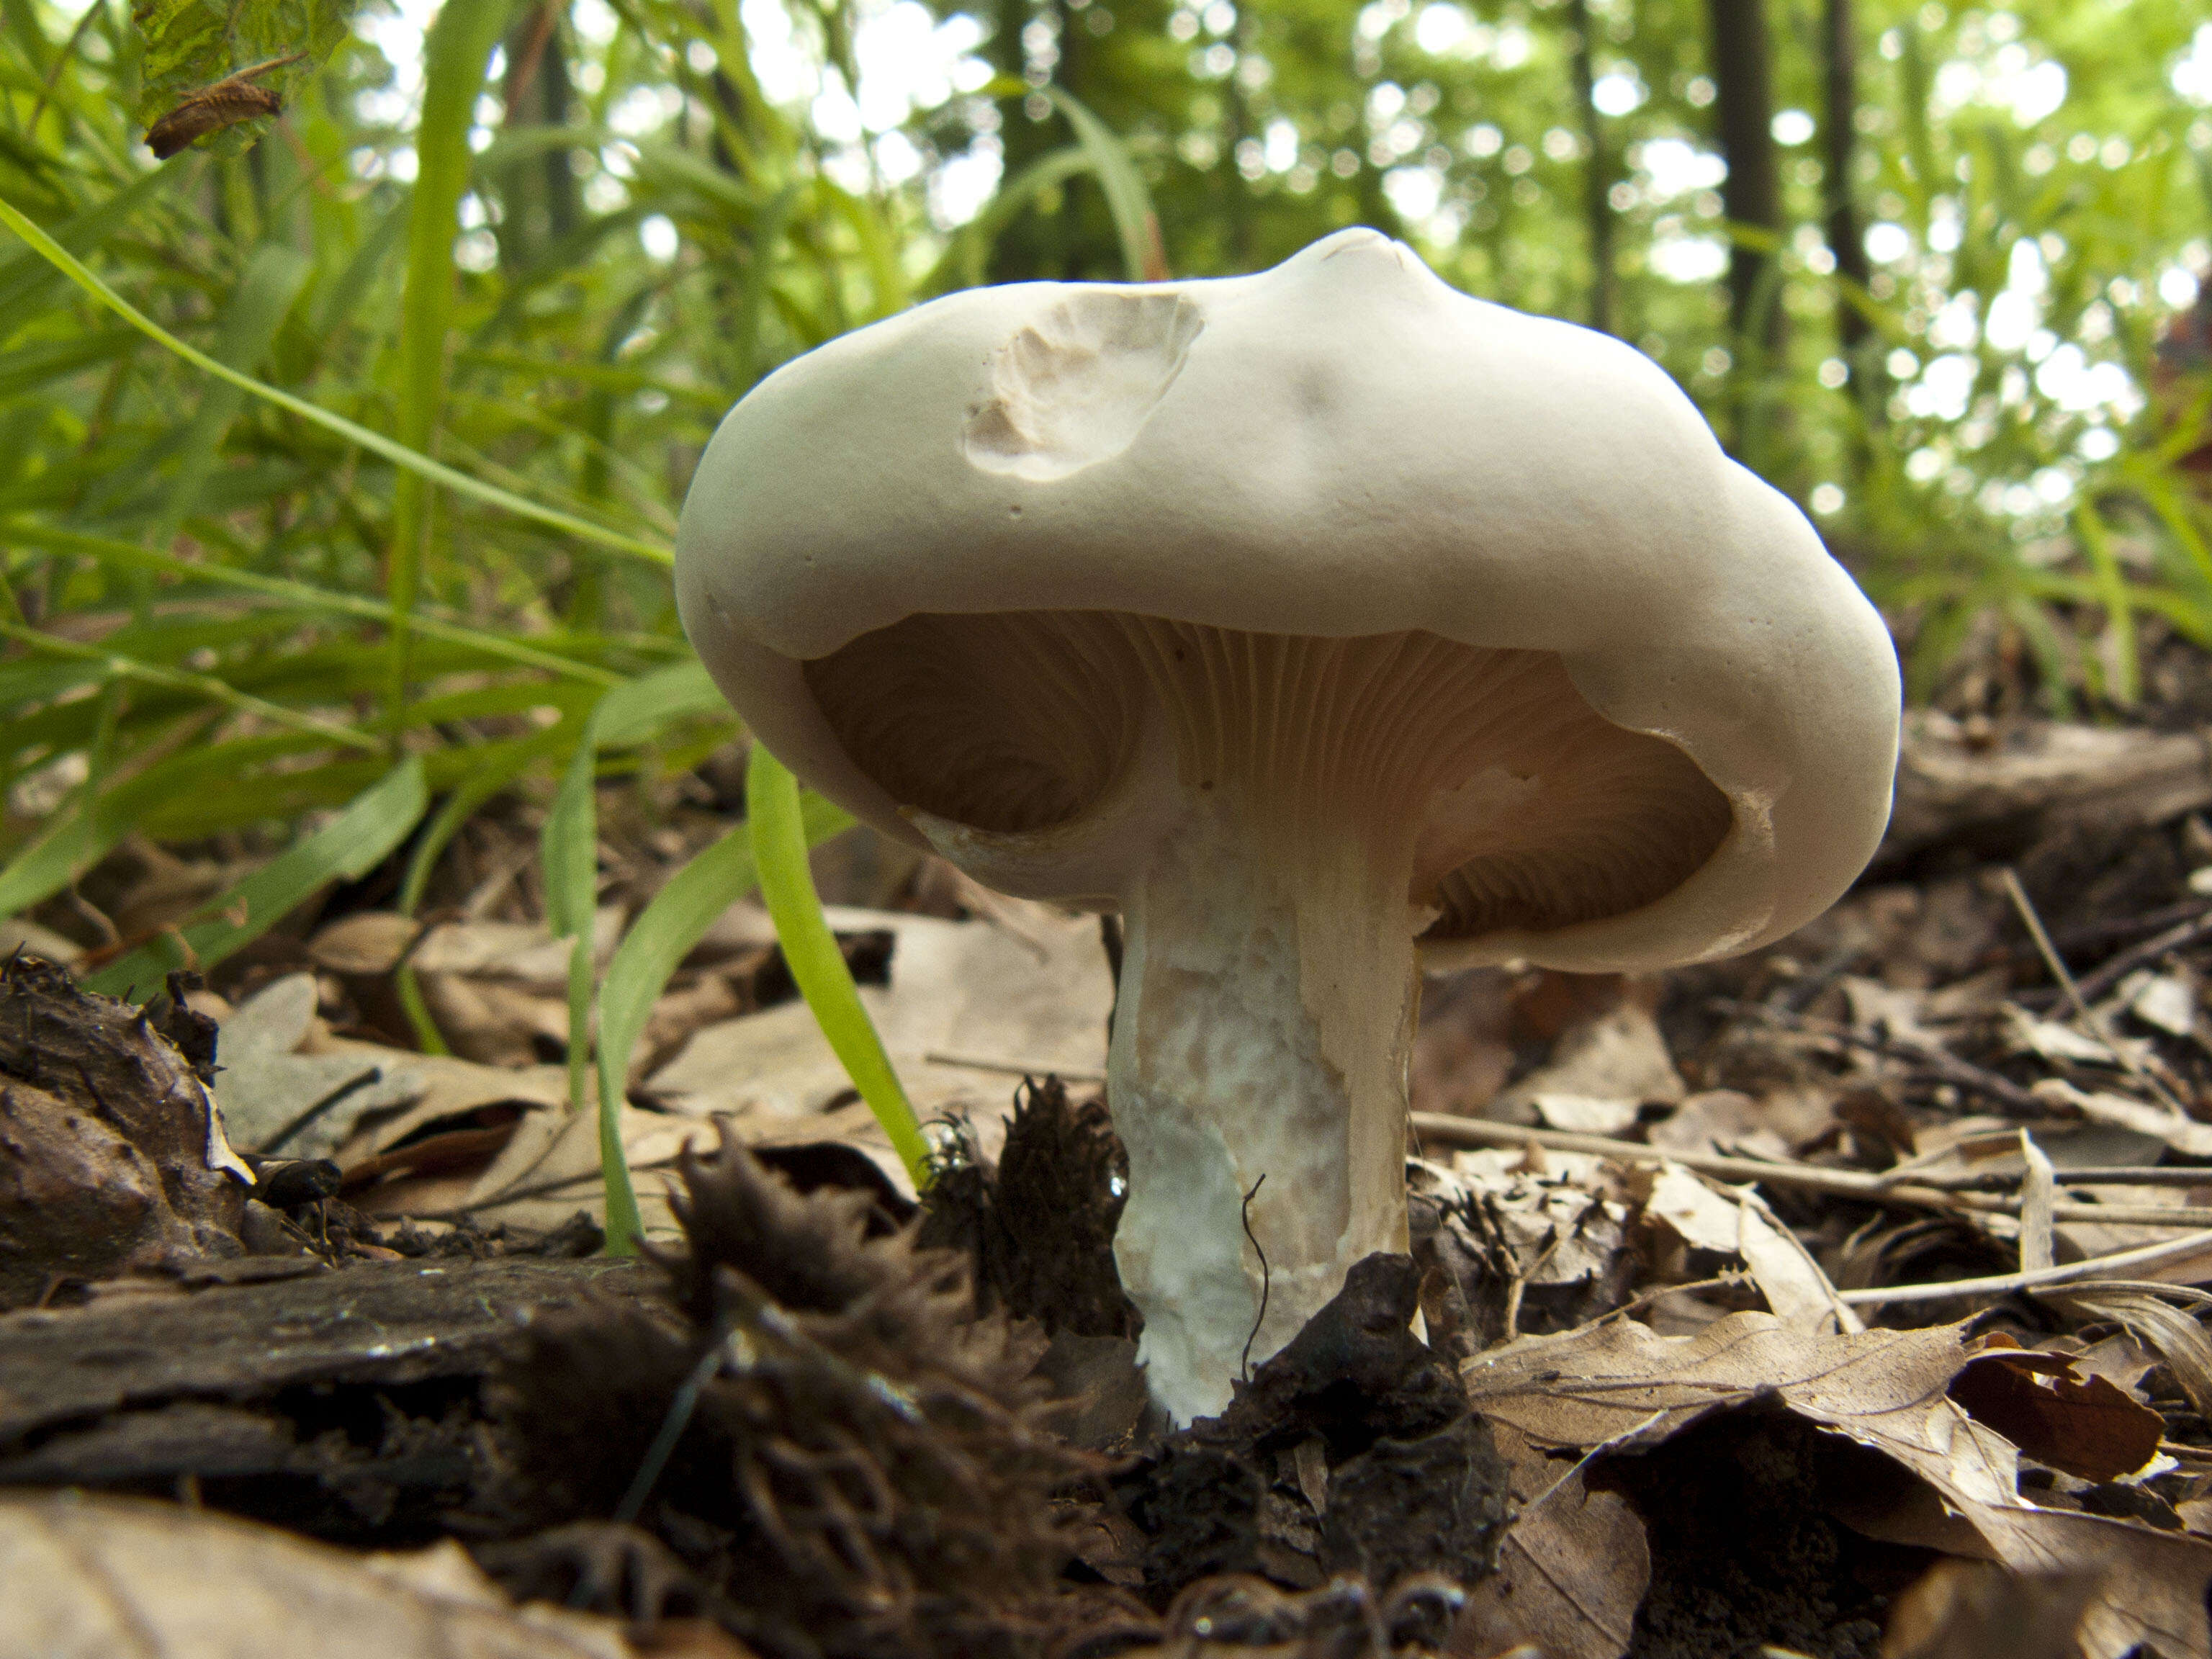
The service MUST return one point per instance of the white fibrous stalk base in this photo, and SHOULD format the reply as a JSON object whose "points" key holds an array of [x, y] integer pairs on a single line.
{"points": [[1259, 1053]]}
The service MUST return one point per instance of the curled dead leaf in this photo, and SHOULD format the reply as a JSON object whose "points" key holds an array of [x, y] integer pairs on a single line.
{"points": [[90, 1577]]}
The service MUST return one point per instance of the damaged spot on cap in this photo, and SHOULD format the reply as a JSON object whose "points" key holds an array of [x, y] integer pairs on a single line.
{"points": [[1072, 387]]}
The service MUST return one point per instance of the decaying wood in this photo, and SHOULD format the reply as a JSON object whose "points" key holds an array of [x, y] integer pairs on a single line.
{"points": [[135, 1386], [112, 1157], [2038, 778]]}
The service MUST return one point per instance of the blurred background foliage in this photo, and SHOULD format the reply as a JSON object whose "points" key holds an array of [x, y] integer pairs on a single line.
{"points": [[1933, 272]]}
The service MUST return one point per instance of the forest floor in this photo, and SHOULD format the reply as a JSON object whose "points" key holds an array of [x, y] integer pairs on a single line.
{"points": [[1838, 1301]]}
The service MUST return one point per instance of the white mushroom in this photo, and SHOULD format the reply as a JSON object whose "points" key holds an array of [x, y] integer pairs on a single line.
{"points": [[1305, 618]]}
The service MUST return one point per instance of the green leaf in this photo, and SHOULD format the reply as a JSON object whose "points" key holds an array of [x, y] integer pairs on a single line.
{"points": [[817, 965], [344, 849]]}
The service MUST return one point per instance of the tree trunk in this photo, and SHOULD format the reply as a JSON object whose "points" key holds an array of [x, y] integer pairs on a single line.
{"points": [[1845, 241], [1597, 171], [1743, 72], [539, 200]]}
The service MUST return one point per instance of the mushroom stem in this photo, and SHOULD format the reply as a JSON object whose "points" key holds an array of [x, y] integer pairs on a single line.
{"points": [[1267, 1008]]}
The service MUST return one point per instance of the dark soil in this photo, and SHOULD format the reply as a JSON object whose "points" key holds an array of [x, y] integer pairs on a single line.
{"points": [[1744, 1554]]}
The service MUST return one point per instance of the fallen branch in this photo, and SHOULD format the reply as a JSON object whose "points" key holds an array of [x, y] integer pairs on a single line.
{"points": [[2094, 1267], [1845, 1183]]}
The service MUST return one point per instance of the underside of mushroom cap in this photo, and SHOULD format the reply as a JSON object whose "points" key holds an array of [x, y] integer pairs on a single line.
{"points": [[1003, 489], [1523, 808]]}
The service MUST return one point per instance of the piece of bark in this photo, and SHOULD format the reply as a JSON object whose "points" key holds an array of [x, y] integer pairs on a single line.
{"points": [[2036, 780], [380, 1323], [111, 1157]]}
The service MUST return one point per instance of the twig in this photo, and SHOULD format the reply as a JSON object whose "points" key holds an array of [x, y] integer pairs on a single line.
{"points": [[2173, 1250], [2087, 936], [1244, 1215], [1845, 1183], [2113, 970], [1012, 1067], [2118, 1175], [1940, 1061], [678, 1418], [2092, 1022]]}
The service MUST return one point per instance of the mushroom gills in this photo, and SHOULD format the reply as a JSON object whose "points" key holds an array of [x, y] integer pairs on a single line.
{"points": [[1534, 812], [1277, 816]]}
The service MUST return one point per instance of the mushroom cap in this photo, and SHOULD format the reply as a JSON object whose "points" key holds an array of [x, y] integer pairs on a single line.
{"points": [[1342, 446]]}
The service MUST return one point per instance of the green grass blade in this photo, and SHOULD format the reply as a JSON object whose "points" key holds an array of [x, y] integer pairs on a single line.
{"points": [[1126, 197], [347, 848], [304, 595], [676, 920], [635, 711], [266, 290], [2111, 583], [456, 54], [206, 685], [568, 855], [818, 966], [354, 433]]}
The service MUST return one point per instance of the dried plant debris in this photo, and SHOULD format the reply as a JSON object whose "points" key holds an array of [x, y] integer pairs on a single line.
{"points": [[1040, 1227], [1350, 1452], [1239, 1617], [862, 1466], [114, 1156]]}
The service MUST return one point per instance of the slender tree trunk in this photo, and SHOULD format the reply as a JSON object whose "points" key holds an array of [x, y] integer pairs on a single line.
{"points": [[1597, 171], [1743, 72], [1845, 241], [539, 201]]}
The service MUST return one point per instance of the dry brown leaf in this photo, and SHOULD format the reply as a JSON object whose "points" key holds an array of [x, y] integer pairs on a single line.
{"points": [[277, 1093], [366, 942], [1705, 1215], [1622, 1386], [1617, 1055], [2084, 1425], [1973, 1609], [1719, 1120], [1571, 1571], [960, 991], [92, 1577]]}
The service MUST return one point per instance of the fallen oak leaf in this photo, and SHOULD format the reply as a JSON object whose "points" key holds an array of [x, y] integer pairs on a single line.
{"points": [[1967, 1609]]}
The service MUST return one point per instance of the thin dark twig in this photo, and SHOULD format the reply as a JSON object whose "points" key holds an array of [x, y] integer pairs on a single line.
{"points": [[2113, 970], [2091, 1021], [681, 1405], [1244, 1215], [1939, 1061]]}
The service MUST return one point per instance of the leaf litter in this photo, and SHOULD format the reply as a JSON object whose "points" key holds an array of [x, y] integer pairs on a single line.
{"points": [[1652, 1222]]}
